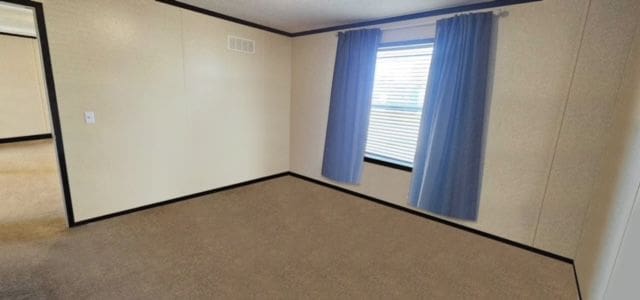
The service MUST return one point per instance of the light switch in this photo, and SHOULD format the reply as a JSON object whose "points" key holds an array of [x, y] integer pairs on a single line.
{"points": [[89, 117]]}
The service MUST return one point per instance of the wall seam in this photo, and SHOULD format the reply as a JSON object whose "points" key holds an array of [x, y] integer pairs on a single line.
{"points": [[612, 118], [637, 194], [562, 121], [184, 71], [617, 101], [291, 103], [290, 158]]}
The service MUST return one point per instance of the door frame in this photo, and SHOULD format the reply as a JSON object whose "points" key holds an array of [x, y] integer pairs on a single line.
{"points": [[53, 102]]}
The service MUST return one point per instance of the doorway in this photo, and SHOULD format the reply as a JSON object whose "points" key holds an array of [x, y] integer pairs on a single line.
{"points": [[34, 191]]}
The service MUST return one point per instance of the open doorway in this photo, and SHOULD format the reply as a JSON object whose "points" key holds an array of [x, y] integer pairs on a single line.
{"points": [[33, 185]]}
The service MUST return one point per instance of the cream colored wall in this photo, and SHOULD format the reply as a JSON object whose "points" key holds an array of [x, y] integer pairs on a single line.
{"points": [[624, 278], [24, 108], [177, 113], [540, 68], [607, 39], [612, 211]]}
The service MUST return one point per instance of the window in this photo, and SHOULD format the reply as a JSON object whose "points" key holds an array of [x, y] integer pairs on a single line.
{"points": [[398, 95]]}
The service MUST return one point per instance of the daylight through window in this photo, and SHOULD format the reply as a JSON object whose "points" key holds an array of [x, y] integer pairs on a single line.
{"points": [[398, 96]]}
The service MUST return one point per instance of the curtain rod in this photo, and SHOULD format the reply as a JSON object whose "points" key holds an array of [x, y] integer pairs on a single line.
{"points": [[498, 13]]}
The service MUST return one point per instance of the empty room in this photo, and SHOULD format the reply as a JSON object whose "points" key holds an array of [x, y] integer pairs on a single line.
{"points": [[272, 149]]}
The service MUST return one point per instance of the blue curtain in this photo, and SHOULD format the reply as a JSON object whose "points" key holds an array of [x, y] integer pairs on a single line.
{"points": [[350, 105], [447, 168]]}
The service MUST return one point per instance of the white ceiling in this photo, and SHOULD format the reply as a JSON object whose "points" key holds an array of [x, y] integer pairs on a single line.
{"points": [[17, 19], [300, 15]]}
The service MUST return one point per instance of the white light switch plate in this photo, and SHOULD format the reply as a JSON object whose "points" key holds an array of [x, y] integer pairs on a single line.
{"points": [[89, 117]]}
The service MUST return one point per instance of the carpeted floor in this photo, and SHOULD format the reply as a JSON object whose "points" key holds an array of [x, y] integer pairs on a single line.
{"points": [[282, 238], [31, 203]]}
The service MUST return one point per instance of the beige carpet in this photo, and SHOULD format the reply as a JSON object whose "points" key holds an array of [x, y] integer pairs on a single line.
{"points": [[282, 238], [31, 202]]}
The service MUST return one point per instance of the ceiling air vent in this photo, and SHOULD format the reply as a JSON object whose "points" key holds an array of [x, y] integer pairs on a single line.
{"points": [[241, 45]]}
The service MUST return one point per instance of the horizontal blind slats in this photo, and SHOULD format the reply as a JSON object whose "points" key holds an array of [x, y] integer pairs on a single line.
{"points": [[398, 94]]}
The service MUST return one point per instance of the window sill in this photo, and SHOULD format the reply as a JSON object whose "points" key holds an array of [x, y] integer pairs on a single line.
{"points": [[387, 164]]}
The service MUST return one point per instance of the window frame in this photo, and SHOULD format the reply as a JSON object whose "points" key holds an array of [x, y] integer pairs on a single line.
{"points": [[372, 158]]}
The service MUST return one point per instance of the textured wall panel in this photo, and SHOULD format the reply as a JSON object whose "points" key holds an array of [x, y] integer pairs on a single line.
{"points": [[24, 108], [161, 83], [535, 53], [608, 35]]}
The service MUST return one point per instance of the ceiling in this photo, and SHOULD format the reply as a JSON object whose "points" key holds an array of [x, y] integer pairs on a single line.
{"points": [[301, 15], [17, 20]]}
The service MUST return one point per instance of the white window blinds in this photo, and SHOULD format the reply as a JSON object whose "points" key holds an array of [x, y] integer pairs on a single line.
{"points": [[398, 94]]}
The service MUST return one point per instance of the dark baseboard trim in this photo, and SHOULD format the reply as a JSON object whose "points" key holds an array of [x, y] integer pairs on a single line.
{"points": [[18, 35], [341, 189], [182, 198], [363, 196], [222, 16], [452, 224], [25, 138], [575, 275], [439, 220]]}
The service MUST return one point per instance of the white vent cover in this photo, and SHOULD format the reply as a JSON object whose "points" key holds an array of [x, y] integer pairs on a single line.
{"points": [[241, 45]]}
